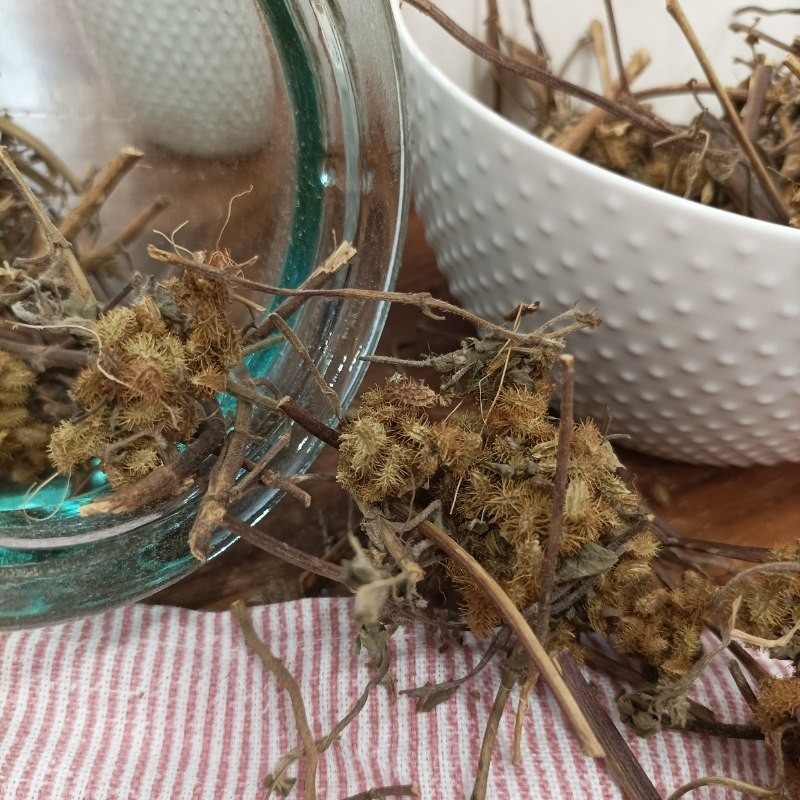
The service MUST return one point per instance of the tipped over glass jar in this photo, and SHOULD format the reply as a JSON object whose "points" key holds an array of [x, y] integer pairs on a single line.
{"points": [[265, 130]]}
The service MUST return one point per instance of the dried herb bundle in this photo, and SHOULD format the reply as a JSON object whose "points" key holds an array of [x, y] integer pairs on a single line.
{"points": [[52, 290], [527, 518], [745, 161]]}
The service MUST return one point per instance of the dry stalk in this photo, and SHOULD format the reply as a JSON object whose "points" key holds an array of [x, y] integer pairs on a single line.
{"points": [[537, 74], [513, 617], [508, 679], [287, 681], [94, 197], [756, 162], [58, 263], [398, 790], [54, 163], [574, 139], [218, 495], [559, 494], [624, 766], [624, 81], [727, 783], [299, 348]]}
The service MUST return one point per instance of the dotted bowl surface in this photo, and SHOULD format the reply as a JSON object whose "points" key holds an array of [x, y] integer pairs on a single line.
{"points": [[698, 356], [194, 75]]}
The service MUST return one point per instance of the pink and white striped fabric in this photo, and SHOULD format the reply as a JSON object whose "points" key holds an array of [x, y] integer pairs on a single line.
{"points": [[152, 703]]}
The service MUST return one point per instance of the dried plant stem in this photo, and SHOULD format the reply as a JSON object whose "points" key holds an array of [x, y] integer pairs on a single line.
{"points": [[728, 783], [538, 42], [98, 192], [493, 40], [499, 641], [217, 497], [41, 357], [600, 54], [612, 27], [676, 11], [378, 676], [754, 34], [299, 348], [519, 721], [255, 470], [59, 262], [792, 63], [757, 89], [339, 258], [399, 790], [559, 493], [740, 679], [575, 137], [535, 73], [431, 306], [507, 681], [53, 162], [167, 480], [132, 231], [737, 580], [287, 681], [285, 552], [295, 411], [513, 617], [381, 533], [670, 538], [627, 771]]}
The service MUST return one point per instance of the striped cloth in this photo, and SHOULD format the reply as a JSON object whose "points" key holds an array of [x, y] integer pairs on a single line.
{"points": [[148, 702]]}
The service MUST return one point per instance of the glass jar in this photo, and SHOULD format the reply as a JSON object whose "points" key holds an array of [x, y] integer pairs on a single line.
{"points": [[277, 128]]}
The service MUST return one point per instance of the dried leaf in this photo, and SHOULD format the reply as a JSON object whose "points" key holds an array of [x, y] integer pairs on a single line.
{"points": [[591, 559]]}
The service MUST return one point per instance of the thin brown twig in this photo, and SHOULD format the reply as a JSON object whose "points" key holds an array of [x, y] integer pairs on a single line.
{"points": [[559, 495], [499, 640], [430, 306], [59, 261], [626, 769], [726, 782], [493, 40], [218, 495], [398, 790], [168, 479], [102, 186], [757, 89], [538, 42], [54, 163], [755, 34], [740, 679], [574, 138], [288, 682], [339, 258], [323, 743], [601, 55], [299, 348], [519, 721], [759, 168], [507, 680], [536, 73], [295, 411], [282, 550], [132, 231], [615, 43], [526, 636]]}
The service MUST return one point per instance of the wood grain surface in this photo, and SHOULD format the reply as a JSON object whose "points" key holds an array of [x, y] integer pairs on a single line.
{"points": [[757, 506]]}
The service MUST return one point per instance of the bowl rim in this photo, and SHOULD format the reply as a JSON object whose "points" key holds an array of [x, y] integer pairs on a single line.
{"points": [[705, 214]]}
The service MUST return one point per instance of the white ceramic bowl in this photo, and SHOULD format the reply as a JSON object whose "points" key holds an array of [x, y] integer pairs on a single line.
{"points": [[698, 358]]}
